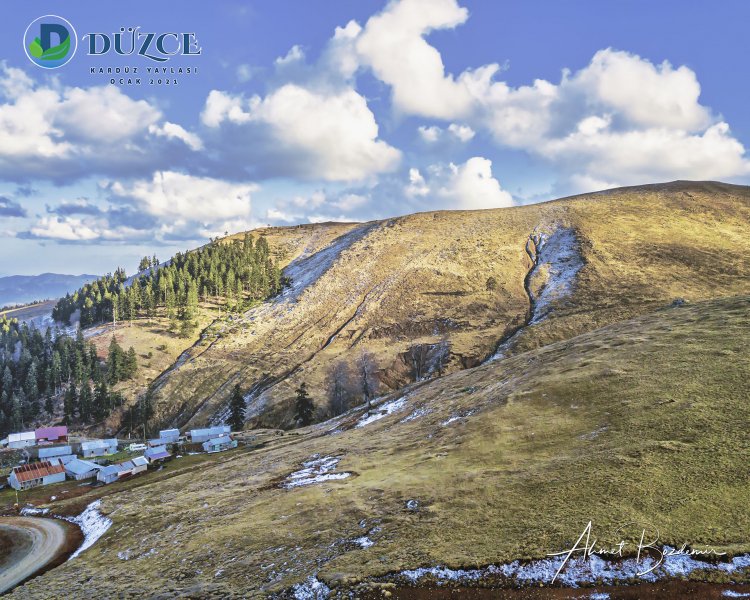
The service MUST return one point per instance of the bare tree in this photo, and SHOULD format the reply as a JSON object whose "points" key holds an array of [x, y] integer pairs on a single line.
{"points": [[367, 377], [340, 388], [442, 354], [418, 357]]}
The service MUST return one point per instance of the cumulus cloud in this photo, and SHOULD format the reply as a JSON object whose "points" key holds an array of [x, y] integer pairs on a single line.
{"points": [[454, 132], [170, 206], [172, 195], [470, 185], [330, 135], [48, 132], [621, 119], [172, 130], [10, 208]]}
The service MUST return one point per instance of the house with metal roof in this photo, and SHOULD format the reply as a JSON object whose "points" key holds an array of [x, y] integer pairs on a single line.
{"points": [[169, 436], [51, 434], [49, 452], [57, 455], [203, 435], [122, 470], [81, 469], [21, 440], [98, 448], [140, 464], [34, 474], [157, 454], [219, 444]]}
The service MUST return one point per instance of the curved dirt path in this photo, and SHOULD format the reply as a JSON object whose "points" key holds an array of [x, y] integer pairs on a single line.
{"points": [[40, 542]]}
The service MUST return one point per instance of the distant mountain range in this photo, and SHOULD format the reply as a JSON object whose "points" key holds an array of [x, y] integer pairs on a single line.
{"points": [[20, 289]]}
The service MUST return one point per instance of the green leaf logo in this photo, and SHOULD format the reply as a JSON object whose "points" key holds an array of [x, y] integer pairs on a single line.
{"points": [[56, 52], [50, 41], [35, 48]]}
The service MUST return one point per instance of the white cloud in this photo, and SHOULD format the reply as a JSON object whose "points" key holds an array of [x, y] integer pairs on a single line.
{"points": [[244, 73], [83, 229], [470, 185], [329, 135], [417, 186], [462, 133], [172, 130], [296, 54], [64, 133], [430, 134], [392, 44], [171, 195], [118, 117], [621, 118]]}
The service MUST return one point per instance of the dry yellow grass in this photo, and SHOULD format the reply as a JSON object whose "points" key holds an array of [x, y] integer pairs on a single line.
{"points": [[641, 421], [418, 278]]}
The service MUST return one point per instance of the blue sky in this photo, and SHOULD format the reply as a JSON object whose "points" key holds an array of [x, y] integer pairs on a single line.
{"points": [[343, 110]]}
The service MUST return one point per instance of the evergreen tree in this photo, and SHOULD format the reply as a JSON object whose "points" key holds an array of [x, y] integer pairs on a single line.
{"points": [[237, 409], [102, 401], [115, 362], [69, 404], [85, 403], [303, 406], [131, 364]]}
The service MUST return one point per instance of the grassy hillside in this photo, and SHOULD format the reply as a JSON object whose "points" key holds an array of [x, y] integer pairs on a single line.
{"points": [[423, 279], [641, 421]]}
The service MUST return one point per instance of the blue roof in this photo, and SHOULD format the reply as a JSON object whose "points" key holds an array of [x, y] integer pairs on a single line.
{"points": [[111, 470], [94, 444], [219, 440], [211, 431], [79, 467], [59, 451]]}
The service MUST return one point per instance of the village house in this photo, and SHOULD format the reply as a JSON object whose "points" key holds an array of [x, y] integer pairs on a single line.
{"points": [[169, 436], [219, 444], [156, 454], [21, 440], [122, 470], [81, 469], [203, 435], [50, 435], [98, 448], [57, 455], [32, 475]]}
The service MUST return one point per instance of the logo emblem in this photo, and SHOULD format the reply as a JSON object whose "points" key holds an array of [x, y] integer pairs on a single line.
{"points": [[50, 41]]}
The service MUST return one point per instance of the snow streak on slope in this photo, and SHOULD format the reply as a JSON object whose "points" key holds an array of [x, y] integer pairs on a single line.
{"points": [[559, 260], [93, 524], [306, 270]]}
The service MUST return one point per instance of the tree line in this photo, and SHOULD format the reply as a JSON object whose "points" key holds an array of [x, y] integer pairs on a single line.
{"points": [[350, 383], [39, 368], [235, 272]]}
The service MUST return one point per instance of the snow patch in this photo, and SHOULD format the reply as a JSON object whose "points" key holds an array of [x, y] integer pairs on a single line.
{"points": [[311, 589], [420, 412], [382, 411], [307, 269], [558, 254], [364, 542], [733, 594], [93, 524], [30, 512], [316, 470], [457, 417], [580, 571]]}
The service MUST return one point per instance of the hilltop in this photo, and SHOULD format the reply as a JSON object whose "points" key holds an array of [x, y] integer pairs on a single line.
{"points": [[412, 285]]}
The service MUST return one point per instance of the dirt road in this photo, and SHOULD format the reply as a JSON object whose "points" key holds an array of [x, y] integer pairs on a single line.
{"points": [[35, 543]]}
